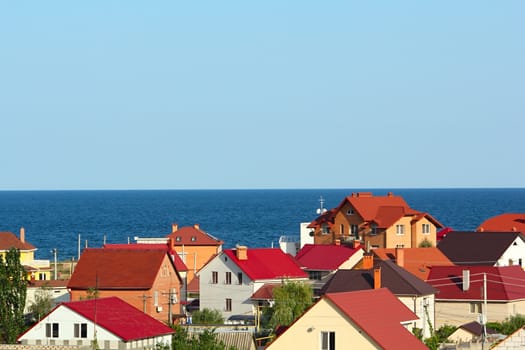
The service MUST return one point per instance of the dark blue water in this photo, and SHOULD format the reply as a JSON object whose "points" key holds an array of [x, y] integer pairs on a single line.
{"points": [[54, 219]]}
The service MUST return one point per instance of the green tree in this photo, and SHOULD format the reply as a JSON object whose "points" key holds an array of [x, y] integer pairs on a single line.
{"points": [[207, 317], [509, 325], [42, 304], [13, 289], [291, 299]]}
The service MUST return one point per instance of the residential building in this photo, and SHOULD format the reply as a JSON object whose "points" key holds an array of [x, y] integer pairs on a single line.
{"points": [[417, 261], [368, 319], [484, 248], [144, 278], [416, 294], [471, 332], [514, 341], [461, 297], [377, 222], [229, 280], [508, 222], [320, 261], [55, 289], [36, 269], [110, 322]]}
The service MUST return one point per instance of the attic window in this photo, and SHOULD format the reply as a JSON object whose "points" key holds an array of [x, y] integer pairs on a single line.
{"points": [[515, 243], [193, 238], [178, 238], [350, 211]]}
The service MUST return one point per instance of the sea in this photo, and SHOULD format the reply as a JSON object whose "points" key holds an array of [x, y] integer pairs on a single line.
{"points": [[69, 221]]}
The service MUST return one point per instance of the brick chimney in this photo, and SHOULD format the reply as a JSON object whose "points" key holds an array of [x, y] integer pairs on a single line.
{"points": [[241, 252], [377, 278], [356, 244], [390, 194], [196, 226], [337, 242], [22, 235], [174, 227], [368, 261], [400, 257]]}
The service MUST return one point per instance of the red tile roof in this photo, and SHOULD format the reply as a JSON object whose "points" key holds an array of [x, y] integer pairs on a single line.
{"points": [[504, 283], [380, 319], [191, 236], [265, 292], [8, 240], [120, 318], [194, 285], [117, 268], [267, 263], [324, 256], [504, 222], [179, 264]]}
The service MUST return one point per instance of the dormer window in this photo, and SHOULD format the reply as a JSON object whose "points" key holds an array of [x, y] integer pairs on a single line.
{"points": [[193, 238], [350, 211], [178, 238]]}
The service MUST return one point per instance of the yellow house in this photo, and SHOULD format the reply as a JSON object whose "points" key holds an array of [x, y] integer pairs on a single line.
{"points": [[369, 319], [36, 269], [377, 222]]}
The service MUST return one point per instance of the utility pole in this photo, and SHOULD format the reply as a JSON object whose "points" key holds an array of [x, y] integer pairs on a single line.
{"points": [[55, 261], [484, 313], [144, 299]]}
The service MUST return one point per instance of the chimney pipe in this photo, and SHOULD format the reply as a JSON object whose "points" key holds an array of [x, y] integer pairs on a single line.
{"points": [[337, 242], [196, 226], [368, 261], [377, 278], [400, 257], [241, 252], [174, 227], [466, 280], [356, 244], [22, 235]]}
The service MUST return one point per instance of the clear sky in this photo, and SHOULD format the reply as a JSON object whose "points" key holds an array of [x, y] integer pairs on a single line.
{"points": [[267, 94]]}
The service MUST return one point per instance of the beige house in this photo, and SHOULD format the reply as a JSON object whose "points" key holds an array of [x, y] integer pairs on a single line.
{"points": [[350, 321]]}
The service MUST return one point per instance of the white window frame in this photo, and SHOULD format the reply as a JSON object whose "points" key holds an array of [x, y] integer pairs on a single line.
{"points": [[400, 229], [325, 229], [425, 229], [350, 211], [325, 340]]}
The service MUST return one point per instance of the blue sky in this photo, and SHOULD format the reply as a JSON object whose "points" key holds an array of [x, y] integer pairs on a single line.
{"points": [[270, 94]]}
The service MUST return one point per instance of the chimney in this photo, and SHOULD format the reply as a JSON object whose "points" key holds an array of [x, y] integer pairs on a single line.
{"points": [[390, 194], [171, 244], [174, 227], [337, 242], [356, 244], [196, 226], [368, 261], [400, 257], [241, 252], [466, 280], [22, 235], [377, 278]]}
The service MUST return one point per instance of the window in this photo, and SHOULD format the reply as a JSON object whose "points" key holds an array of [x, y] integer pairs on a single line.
{"points": [[350, 211], [425, 229], [400, 229], [314, 275], [214, 277], [193, 238], [354, 230], [228, 304], [373, 230], [52, 330], [42, 276], [80, 330], [342, 229], [400, 246], [327, 340], [239, 277], [324, 229], [228, 278], [475, 308], [156, 298]]}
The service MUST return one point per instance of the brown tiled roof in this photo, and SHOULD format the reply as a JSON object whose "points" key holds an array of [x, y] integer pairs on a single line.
{"points": [[508, 222], [484, 248], [117, 268], [417, 261], [8, 240], [193, 235], [398, 280]]}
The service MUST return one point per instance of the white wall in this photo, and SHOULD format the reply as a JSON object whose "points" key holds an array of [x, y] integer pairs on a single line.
{"points": [[417, 306], [515, 251]]}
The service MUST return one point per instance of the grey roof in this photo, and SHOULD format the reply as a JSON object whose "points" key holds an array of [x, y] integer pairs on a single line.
{"points": [[398, 280], [476, 248]]}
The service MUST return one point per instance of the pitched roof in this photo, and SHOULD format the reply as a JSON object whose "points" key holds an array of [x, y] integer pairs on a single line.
{"points": [[504, 283], [396, 279], [380, 319], [8, 240], [117, 268], [265, 292], [192, 236], [476, 328], [485, 248], [417, 261], [267, 263], [508, 222], [325, 257], [179, 264], [120, 318]]}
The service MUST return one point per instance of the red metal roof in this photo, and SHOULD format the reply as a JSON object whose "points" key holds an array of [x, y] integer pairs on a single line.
{"points": [[324, 257], [179, 264], [117, 268], [267, 263], [265, 292], [379, 314], [504, 283], [120, 318], [504, 222], [8, 240], [193, 235]]}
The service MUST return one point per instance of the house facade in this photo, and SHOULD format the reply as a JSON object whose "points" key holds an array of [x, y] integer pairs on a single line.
{"points": [[377, 222], [145, 278], [229, 280], [382, 324], [111, 322]]}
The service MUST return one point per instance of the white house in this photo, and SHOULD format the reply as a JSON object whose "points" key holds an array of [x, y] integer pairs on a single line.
{"points": [[228, 281], [55, 289], [111, 322]]}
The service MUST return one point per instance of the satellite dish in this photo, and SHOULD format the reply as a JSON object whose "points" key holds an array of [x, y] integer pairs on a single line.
{"points": [[318, 211]]}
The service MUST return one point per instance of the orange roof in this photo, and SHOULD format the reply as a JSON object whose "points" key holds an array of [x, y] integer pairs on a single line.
{"points": [[179, 264], [417, 261], [8, 240], [192, 235], [504, 223], [118, 268]]}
